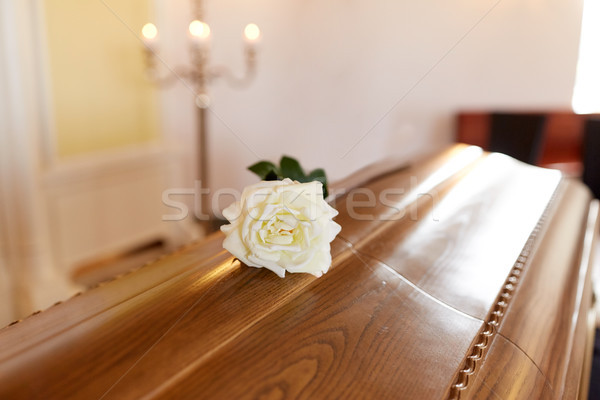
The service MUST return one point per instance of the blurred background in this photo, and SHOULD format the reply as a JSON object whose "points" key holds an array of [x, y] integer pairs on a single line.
{"points": [[97, 121]]}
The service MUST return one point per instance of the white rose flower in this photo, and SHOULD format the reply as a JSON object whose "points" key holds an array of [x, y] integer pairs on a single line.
{"points": [[282, 226]]}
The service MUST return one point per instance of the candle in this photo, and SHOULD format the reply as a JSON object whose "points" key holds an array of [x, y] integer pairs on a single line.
{"points": [[149, 35], [251, 34], [199, 32]]}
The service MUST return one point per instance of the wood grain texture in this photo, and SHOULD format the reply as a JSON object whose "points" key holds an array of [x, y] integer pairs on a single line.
{"points": [[508, 373], [362, 339], [496, 195], [404, 303], [544, 312]]}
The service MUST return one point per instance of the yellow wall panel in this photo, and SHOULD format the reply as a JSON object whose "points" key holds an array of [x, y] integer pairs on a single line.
{"points": [[101, 98]]}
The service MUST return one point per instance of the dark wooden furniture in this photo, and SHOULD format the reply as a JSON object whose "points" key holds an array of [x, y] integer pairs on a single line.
{"points": [[561, 142], [591, 156], [517, 135], [467, 277]]}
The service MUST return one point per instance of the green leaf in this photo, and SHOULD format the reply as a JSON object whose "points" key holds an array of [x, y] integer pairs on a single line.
{"points": [[264, 169], [272, 176], [325, 190], [319, 175], [290, 168]]}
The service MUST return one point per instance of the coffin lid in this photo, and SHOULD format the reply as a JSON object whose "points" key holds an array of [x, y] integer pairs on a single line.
{"points": [[463, 275]]}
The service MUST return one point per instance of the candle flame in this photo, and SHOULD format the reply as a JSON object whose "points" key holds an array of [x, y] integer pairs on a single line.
{"points": [[252, 32], [199, 29], [149, 31]]}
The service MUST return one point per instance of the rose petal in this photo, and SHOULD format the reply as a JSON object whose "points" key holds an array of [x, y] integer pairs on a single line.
{"points": [[282, 225], [233, 212]]}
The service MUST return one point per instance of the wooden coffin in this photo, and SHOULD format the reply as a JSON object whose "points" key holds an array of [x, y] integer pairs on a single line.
{"points": [[466, 275]]}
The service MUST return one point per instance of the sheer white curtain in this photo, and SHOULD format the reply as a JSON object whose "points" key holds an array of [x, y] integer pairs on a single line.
{"points": [[27, 276]]}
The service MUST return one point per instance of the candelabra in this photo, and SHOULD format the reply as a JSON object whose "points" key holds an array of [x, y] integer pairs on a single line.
{"points": [[198, 76]]}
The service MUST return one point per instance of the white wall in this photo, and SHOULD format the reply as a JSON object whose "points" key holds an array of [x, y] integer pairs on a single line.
{"points": [[342, 83]]}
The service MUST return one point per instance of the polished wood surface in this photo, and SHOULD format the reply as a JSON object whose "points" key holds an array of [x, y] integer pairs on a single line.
{"points": [[554, 312], [467, 276]]}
